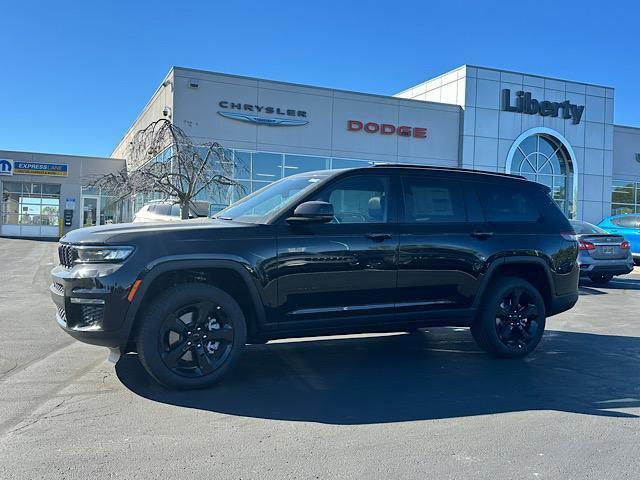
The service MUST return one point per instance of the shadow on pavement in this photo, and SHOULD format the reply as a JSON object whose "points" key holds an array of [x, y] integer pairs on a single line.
{"points": [[435, 374], [587, 287]]}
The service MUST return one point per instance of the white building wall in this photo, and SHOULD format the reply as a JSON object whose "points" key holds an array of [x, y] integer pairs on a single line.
{"points": [[626, 148], [488, 132], [328, 112]]}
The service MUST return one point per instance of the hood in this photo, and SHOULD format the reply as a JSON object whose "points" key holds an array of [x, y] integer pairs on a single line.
{"points": [[123, 232]]}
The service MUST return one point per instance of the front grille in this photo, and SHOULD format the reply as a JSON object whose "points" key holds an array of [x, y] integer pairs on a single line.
{"points": [[58, 288], [67, 255], [62, 314]]}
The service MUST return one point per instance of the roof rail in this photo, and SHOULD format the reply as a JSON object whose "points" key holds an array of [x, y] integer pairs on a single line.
{"points": [[447, 169]]}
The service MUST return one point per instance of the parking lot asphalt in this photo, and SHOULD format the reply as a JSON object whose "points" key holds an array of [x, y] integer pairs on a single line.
{"points": [[428, 405]]}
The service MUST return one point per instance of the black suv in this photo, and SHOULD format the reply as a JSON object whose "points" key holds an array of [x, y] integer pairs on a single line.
{"points": [[376, 249]]}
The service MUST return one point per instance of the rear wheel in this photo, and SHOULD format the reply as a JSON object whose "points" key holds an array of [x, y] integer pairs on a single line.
{"points": [[192, 336], [511, 320], [601, 278]]}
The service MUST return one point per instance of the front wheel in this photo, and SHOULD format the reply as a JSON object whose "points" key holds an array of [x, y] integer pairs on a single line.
{"points": [[601, 278], [191, 336], [511, 320]]}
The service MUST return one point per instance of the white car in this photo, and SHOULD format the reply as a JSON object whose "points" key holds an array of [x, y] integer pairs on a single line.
{"points": [[168, 211]]}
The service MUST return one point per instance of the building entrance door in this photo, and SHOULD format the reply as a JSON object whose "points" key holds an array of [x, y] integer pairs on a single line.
{"points": [[90, 211]]}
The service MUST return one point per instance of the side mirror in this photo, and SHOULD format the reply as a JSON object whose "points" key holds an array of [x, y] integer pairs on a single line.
{"points": [[312, 212]]}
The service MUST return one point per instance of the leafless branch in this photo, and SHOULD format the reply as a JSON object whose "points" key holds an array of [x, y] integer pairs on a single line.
{"points": [[163, 159]]}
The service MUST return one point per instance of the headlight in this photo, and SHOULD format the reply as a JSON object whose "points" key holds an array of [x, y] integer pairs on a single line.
{"points": [[102, 254]]}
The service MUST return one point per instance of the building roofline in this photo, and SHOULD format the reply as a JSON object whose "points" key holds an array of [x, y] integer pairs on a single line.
{"points": [[505, 71], [304, 85], [539, 76], [24, 152], [144, 109], [630, 127], [175, 68]]}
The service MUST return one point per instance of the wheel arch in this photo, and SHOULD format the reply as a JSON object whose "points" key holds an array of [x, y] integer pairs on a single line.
{"points": [[229, 275], [532, 269]]}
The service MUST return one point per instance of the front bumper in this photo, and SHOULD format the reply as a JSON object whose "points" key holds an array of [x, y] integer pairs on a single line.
{"points": [[91, 304], [562, 303]]}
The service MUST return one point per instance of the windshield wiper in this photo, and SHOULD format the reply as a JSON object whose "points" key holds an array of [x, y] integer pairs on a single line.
{"points": [[223, 218]]}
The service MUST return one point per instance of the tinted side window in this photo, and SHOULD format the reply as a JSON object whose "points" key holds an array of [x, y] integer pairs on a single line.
{"points": [[428, 200], [362, 199], [628, 221], [507, 204]]}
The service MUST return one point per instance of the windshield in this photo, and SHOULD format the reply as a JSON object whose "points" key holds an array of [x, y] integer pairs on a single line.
{"points": [[260, 205], [584, 228]]}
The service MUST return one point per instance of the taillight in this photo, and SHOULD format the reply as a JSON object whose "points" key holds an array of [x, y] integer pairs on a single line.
{"points": [[625, 245], [586, 245], [572, 237]]}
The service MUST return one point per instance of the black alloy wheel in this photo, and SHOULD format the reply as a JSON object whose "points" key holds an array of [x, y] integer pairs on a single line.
{"points": [[191, 336], [511, 319], [196, 339], [517, 319]]}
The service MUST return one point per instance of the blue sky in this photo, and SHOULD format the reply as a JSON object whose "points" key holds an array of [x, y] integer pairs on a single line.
{"points": [[74, 76]]}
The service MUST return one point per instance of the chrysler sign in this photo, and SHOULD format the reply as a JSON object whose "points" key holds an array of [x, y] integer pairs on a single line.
{"points": [[246, 112], [531, 106]]}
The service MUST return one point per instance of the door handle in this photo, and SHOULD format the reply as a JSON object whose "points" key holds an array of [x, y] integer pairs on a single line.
{"points": [[482, 235], [378, 237]]}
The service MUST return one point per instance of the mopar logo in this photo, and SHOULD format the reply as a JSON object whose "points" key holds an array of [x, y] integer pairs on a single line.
{"points": [[6, 166]]}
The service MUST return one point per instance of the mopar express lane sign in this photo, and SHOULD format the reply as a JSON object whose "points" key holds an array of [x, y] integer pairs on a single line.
{"points": [[36, 168]]}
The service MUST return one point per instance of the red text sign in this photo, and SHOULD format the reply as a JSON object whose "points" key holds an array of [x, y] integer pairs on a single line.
{"points": [[386, 129]]}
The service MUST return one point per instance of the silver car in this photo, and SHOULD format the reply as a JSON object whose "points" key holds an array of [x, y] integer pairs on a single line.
{"points": [[601, 255]]}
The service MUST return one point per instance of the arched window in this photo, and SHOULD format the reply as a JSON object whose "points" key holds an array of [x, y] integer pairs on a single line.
{"points": [[543, 158]]}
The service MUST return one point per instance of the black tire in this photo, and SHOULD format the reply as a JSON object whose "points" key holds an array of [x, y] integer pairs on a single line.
{"points": [[600, 278], [511, 320], [205, 322]]}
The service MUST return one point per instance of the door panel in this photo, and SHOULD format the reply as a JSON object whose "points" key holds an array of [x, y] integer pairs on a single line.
{"points": [[440, 260], [345, 268]]}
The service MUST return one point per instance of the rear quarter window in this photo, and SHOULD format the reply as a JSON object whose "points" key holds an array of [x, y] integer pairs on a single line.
{"points": [[505, 203], [429, 200]]}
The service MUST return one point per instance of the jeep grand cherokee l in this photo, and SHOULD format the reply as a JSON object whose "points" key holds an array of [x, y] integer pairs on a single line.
{"points": [[376, 249]]}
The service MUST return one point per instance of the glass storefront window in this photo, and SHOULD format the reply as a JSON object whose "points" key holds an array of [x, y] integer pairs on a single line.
{"points": [[112, 210], [302, 163], [252, 170], [625, 197], [30, 203], [242, 166], [266, 166]]}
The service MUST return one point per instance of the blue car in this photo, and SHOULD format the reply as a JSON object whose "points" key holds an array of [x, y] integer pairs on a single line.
{"points": [[628, 226]]}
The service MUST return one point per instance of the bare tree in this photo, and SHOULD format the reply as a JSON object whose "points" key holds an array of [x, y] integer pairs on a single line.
{"points": [[162, 159]]}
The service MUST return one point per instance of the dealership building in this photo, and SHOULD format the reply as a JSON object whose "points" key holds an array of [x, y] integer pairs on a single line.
{"points": [[557, 132]]}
